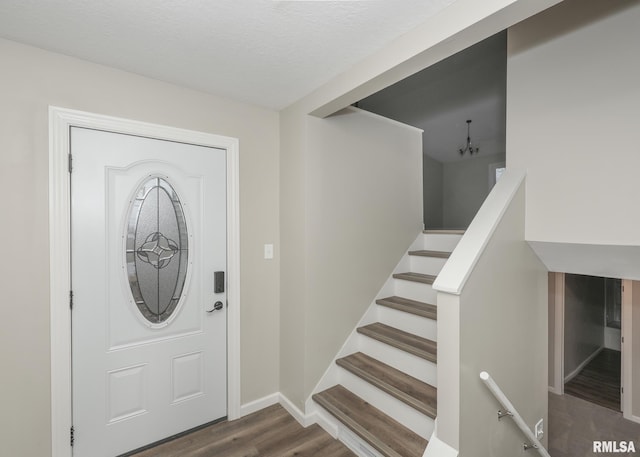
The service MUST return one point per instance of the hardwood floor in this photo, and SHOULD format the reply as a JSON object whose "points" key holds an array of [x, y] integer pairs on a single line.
{"points": [[599, 381], [271, 432]]}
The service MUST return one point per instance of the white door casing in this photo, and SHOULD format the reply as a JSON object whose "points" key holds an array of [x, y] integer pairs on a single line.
{"points": [[148, 226], [61, 120], [627, 351], [626, 403]]}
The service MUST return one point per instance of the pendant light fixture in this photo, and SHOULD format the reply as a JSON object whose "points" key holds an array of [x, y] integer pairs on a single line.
{"points": [[469, 147]]}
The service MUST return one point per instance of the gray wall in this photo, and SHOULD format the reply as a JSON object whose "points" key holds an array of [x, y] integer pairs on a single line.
{"points": [[583, 319], [347, 226], [572, 110], [360, 221], [551, 281], [32, 80], [501, 315], [468, 85], [506, 295], [465, 187], [454, 191], [635, 347], [432, 172]]}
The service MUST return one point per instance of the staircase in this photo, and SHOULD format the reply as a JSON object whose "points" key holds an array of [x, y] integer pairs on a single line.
{"points": [[382, 388]]}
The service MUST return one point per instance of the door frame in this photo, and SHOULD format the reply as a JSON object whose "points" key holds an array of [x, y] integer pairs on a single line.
{"points": [[626, 404], [627, 348], [558, 350], [60, 122]]}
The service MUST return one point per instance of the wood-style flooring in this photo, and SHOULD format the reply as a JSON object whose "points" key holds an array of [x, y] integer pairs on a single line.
{"points": [[599, 381], [271, 432]]}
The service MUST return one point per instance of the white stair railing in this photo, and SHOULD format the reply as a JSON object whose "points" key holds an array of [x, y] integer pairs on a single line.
{"points": [[511, 411]]}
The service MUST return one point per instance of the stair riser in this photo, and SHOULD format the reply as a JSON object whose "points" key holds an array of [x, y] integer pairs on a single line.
{"points": [[353, 441], [444, 242], [426, 265], [418, 325], [415, 291], [417, 367], [415, 421]]}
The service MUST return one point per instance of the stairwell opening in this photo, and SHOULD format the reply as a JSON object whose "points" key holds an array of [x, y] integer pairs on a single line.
{"points": [[470, 85]]}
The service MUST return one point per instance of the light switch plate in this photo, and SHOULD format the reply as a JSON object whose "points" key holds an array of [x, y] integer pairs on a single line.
{"points": [[268, 251]]}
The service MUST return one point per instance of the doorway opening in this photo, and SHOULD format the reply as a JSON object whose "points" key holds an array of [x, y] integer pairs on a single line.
{"points": [[590, 360], [590, 339], [593, 316], [60, 123]]}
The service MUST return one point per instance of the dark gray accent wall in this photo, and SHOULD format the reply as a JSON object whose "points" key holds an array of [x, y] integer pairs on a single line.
{"points": [[439, 100], [583, 319], [432, 173], [465, 187]]}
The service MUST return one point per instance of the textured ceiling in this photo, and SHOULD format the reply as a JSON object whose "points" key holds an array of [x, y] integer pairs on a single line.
{"points": [[265, 52]]}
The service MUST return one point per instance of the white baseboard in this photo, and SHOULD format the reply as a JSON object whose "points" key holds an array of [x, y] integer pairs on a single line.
{"points": [[303, 419], [553, 390], [260, 403], [315, 416], [575, 372], [437, 448], [633, 418], [328, 423]]}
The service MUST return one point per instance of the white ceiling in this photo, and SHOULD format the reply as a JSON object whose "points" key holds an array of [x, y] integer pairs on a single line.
{"points": [[440, 99], [265, 52]]}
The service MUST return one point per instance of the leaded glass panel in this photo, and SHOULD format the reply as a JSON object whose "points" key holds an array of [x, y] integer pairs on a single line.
{"points": [[157, 249]]}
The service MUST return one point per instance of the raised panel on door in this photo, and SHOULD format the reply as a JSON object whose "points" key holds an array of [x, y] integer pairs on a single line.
{"points": [[148, 360]]}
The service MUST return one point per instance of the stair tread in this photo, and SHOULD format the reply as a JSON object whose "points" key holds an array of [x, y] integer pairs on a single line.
{"points": [[386, 435], [444, 231], [408, 342], [427, 253], [415, 393], [410, 306], [416, 277]]}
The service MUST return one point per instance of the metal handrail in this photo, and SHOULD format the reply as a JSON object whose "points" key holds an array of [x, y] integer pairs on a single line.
{"points": [[513, 413]]}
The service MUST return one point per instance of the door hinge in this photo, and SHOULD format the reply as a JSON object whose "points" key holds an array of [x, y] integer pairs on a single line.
{"points": [[622, 339], [71, 299], [621, 389], [70, 163], [71, 437]]}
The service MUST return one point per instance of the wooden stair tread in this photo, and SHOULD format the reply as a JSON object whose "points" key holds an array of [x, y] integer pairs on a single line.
{"points": [[408, 342], [305, 441], [410, 306], [426, 253], [415, 393], [386, 435], [444, 232], [416, 277]]}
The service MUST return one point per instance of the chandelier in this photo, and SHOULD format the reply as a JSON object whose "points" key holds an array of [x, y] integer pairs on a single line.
{"points": [[469, 147]]}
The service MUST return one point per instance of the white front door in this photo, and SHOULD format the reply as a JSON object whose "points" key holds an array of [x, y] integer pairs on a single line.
{"points": [[148, 233]]}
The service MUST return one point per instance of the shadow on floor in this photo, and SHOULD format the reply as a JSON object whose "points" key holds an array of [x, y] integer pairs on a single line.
{"points": [[599, 381], [271, 432]]}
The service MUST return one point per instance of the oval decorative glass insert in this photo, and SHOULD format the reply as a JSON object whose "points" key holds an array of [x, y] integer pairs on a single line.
{"points": [[157, 250]]}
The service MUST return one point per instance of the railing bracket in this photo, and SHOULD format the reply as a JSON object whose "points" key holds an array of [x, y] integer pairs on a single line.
{"points": [[510, 411]]}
